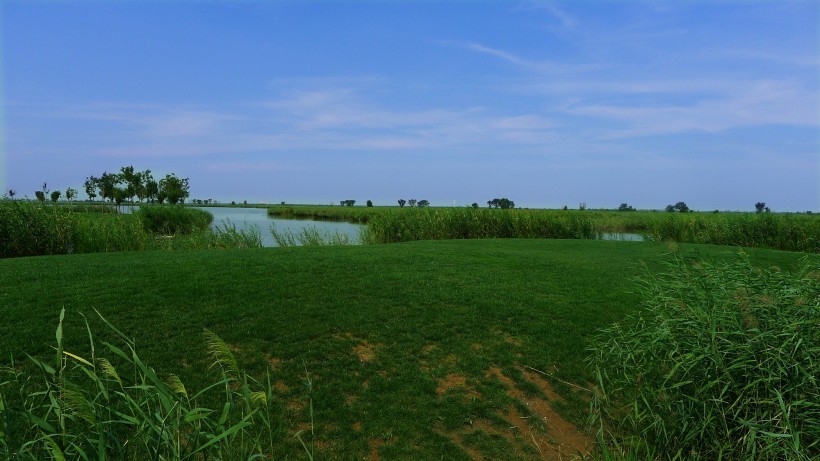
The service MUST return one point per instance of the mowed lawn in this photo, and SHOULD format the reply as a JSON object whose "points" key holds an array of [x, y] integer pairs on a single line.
{"points": [[421, 350]]}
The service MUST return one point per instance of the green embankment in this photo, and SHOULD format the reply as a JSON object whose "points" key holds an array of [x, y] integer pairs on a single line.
{"points": [[412, 348]]}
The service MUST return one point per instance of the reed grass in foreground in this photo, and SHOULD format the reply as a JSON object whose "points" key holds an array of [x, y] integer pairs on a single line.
{"points": [[111, 405], [415, 350], [723, 362]]}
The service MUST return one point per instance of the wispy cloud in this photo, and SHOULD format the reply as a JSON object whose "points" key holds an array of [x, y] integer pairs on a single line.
{"points": [[752, 104], [539, 66], [566, 21]]}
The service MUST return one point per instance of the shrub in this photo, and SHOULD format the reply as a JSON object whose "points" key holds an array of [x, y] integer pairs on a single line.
{"points": [[722, 363]]}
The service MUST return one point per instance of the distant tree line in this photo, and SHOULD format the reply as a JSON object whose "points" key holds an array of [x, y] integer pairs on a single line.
{"points": [[129, 183], [679, 207], [413, 203]]}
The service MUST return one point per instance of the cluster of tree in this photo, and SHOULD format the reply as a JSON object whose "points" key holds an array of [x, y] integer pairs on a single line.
{"points": [[347, 202], [760, 207], [42, 194], [503, 203], [626, 207], [680, 206], [412, 202], [128, 183]]}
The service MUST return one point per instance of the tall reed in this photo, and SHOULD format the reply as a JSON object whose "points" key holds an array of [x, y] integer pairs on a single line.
{"points": [[468, 223], [765, 230], [223, 235], [329, 213], [308, 236], [173, 220], [722, 362], [108, 232], [32, 229]]}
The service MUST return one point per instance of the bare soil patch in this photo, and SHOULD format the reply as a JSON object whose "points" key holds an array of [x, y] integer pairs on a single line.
{"points": [[561, 439]]}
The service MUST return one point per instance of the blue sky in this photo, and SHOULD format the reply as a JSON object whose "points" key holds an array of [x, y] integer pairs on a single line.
{"points": [[716, 104]]}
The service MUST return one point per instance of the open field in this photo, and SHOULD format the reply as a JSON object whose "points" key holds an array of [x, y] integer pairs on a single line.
{"points": [[417, 350]]}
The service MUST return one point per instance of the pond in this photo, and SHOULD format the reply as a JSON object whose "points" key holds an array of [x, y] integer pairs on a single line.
{"points": [[244, 218]]}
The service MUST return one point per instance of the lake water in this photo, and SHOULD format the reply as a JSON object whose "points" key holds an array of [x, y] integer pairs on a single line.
{"points": [[622, 236], [244, 218]]}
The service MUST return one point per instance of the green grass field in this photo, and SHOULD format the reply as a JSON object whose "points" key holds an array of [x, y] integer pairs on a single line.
{"points": [[421, 350]]}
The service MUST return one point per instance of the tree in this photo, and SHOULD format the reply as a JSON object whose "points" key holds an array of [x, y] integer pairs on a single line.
{"points": [[90, 185], [129, 179], [402, 202], [151, 190], [119, 195], [370, 203], [174, 189], [759, 207], [582, 206], [670, 208], [55, 196], [12, 193], [411, 202], [70, 194], [423, 203], [106, 184], [681, 207], [142, 179], [493, 203], [42, 193], [474, 205], [505, 204], [625, 207]]}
